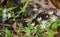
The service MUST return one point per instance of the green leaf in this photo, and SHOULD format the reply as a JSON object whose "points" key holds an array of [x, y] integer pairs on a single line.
{"points": [[8, 33], [55, 25], [25, 6], [33, 31], [28, 31], [40, 35], [1, 13], [54, 28], [51, 34], [9, 9]]}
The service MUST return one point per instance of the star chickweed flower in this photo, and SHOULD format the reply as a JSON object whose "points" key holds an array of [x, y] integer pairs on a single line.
{"points": [[4, 13], [44, 24], [9, 15]]}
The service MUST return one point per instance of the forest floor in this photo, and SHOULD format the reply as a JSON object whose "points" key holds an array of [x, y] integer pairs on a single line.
{"points": [[29, 18]]}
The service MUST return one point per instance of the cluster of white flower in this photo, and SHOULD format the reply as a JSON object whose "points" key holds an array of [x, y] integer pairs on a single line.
{"points": [[53, 18], [4, 15], [44, 24]]}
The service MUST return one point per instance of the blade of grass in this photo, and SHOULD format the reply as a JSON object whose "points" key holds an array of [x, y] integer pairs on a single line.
{"points": [[11, 8], [51, 34], [24, 7], [8, 33]]}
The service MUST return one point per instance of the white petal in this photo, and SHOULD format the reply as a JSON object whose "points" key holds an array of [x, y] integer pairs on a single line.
{"points": [[9, 15], [35, 9], [43, 26], [53, 18], [50, 12], [4, 13], [39, 19], [33, 24], [4, 10], [4, 16]]}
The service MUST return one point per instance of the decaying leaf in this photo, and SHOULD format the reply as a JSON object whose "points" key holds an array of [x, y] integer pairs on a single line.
{"points": [[56, 3]]}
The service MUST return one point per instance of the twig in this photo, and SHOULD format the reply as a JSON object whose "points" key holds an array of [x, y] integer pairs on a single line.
{"points": [[5, 25]]}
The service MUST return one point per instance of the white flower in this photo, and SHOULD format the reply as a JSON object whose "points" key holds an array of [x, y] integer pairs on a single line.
{"points": [[44, 24], [4, 10], [39, 19], [44, 21], [9, 15], [33, 24], [4, 13], [50, 12], [53, 18]]}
